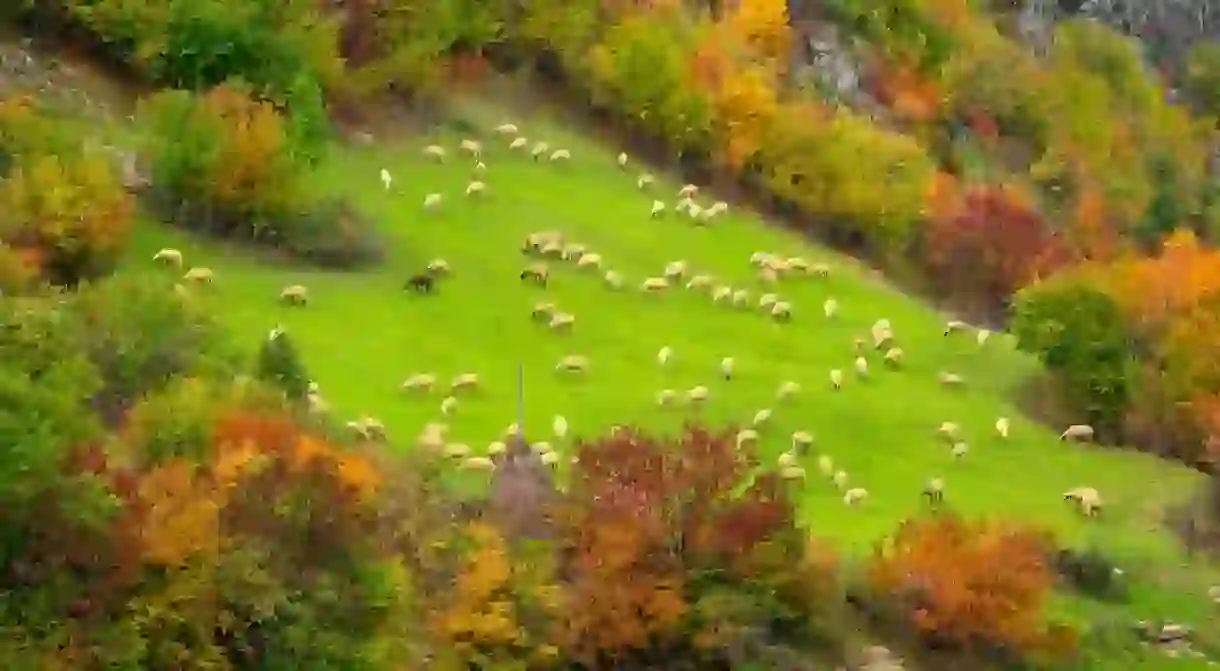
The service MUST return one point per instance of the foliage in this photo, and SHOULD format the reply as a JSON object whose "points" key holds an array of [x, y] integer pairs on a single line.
{"points": [[1079, 333], [1202, 77], [27, 130], [17, 274], [1092, 572], [280, 365], [971, 584]]}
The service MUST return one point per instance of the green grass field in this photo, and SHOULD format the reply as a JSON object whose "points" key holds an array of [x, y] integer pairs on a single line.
{"points": [[362, 335]]}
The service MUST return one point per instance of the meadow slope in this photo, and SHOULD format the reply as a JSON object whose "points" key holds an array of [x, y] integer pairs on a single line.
{"points": [[362, 335]]}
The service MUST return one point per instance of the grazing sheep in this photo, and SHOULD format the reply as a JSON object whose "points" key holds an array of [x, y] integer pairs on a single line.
{"points": [[373, 427], [801, 440], [787, 390], [573, 363], [518, 143], [1087, 498], [295, 294], [861, 366], [781, 311], [1001, 427], [464, 381], [760, 258], [472, 147], [746, 437], [947, 430], [820, 270], [761, 417], [553, 248], [543, 310], [419, 382], [894, 357], [684, 205], [457, 450], [480, 167], [786, 460], [561, 155], [955, 325], [317, 404], [613, 280], [386, 179], [573, 251], [497, 447], [836, 379], [199, 275], [740, 298], [539, 149], [697, 394], [549, 458], [727, 365], [830, 308], [688, 191], [718, 208], [721, 293], [435, 151], [559, 426], [1080, 432], [478, 464], [960, 450], [169, 256], [541, 447], [858, 345], [449, 405], [622, 159], [767, 301], [792, 473], [674, 270], [562, 321], [645, 180], [432, 201], [421, 283], [796, 263], [588, 260], [654, 284], [768, 276], [882, 337], [664, 355], [950, 379], [506, 129], [982, 336], [658, 208], [826, 465], [476, 188], [855, 496], [538, 273], [700, 282], [666, 396], [934, 490], [439, 267], [512, 431]]}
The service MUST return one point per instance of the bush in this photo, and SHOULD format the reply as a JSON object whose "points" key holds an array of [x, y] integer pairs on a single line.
{"points": [[232, 166], [17, 274], [1202, 80], [1091, 572], [280, 365]]}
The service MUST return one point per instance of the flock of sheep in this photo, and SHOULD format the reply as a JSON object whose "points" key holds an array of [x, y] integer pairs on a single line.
{"points": [[552, 246]]}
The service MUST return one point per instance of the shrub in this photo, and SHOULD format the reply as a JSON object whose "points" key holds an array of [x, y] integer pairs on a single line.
{"points": [[1091, 572], [74, 210], [280, 365], [26, 130], [1202, 77], [17, 275], [975, 585]]}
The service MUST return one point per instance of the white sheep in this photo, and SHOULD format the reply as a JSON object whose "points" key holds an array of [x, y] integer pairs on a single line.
{"points": [[539, 149], [760, 258], [688, 191], [666, 396], [419, 382], [543, 310], [761, 417], [472, 147], [435, 151], [654, 284], [549, 458], [786, 460], [506, 129], [787, 389], [449, 405], [947, 430], [675, 270], [559, 426], [645, 180], [574, 251], [464, 381], [721, 293], [497, 447], [934, 490], [169, 256], [664, 354], [740, 298], [830, 308], [613, 280], [457, 450], [797, 263], [432, 201], [541, 447], [438, 267], [746, 437], [589, 261], [727, 366], [782, 310], [719, 207], [698, 394], [1081, 432], [792, 473], [820, 270], [1001, 427], [622, 159], [552, 248], [768, 276], [199, 275], [512, 431], [475, 188], [955, 325], [658, 208], [982, 336], [960, 450], [684, 205], [836, 378], [561, 155], [478, 464], [480, 167], [700, 282], [295, 294], [950, 379], [861, 366], [826, 465], [518, 143], [855, 496], [386, 179], [317, 404], [894, 357], [1087, 498], [573, 363], [801, 440], [767, 301], [562, 321]]}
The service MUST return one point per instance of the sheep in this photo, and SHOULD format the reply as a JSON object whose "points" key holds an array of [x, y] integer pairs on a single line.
{"points": [[698, 394], [858, 345], [312, 388], [543, 310], [573, 363], [721, 293], [1087, 498], [386, 179], [538, 273], [561, 321], [796, 263], [1001, 427], [317, 404], [792, 473], [435, 151], [199, 275], [699, 282], [719, 207], [559, 426], [861, 367], [787, 390], [644, 181], [295, 294], [836, 379], [421, 283], [767, 301], [1080, 432], [684, 205], [786, 460], [553, 248], [472, 147], [512, 431], [438, 267], [830, 308], [695, 212], [826, 465], [768, 276], [497, 447], [960, 450], [476, 188], [429, 439], [688, 191], [480, 167], [982, 336], [588, 260], [573, 251], [419, 382], [561, 155], [934, 490], [761, 417], [622, 159], [541, 447], [820, 270], [449, 405], [760, 258], [746, 437], [955, 325], [947, 430], [518, 143], [781, 311], [882, 336], [894, 357], [654, 284], [666, 397], [801, 440], [658, 208], [950, 379], [549, 458], [478, 464], [539, 149], [675, 270], [727, 365], [372, 427], [169, 256], [506, 129], [464, 381], [740, 298], [855, 496], [664, 355], [432, 201], [457, 450], [613, 280]]}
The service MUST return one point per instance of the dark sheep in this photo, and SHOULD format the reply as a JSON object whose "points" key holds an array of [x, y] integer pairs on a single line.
{"points": [[535, 275], [422, 283]]}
